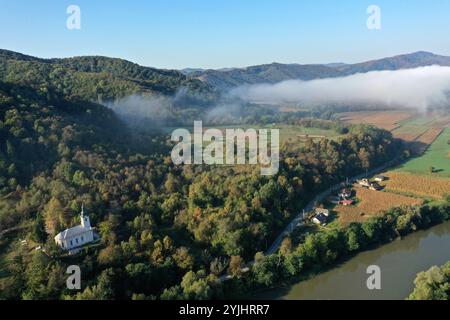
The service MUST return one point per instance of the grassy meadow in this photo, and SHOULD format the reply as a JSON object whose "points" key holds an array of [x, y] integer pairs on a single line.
{"points": [[437, 156]]}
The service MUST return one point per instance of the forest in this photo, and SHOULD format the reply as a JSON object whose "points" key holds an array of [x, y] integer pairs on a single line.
{"points": [[432, 284]]}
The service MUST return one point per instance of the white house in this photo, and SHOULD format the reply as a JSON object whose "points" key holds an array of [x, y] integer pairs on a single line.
{"points": [[77, 236], [320, 219]]}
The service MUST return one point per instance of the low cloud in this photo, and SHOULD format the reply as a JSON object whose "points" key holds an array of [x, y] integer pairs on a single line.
{"points": [[151, 112], [142, 106], [223, 113], [411, 88]]}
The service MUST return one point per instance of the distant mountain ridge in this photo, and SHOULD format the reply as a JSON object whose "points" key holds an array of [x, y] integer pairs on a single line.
{"points": [[405, 61], [269, 73], [276, 72], [97, 77]]}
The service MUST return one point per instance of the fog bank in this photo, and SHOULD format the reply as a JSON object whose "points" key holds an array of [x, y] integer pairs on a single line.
{"points": [[412, 88]]}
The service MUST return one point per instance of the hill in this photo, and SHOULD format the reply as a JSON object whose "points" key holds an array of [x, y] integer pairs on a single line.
{"points": [[101, 79], [276, 72], [406, 61], [269, 73], [39, 128]]}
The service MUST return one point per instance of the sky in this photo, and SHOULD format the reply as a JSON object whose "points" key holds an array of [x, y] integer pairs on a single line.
{"points": [[177, 34]]}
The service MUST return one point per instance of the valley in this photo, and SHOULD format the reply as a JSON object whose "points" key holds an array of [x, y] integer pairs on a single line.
{"points": [[188, 157], [171, 231]]}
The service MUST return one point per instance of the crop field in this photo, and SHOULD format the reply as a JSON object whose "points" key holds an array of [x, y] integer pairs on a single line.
{"points": [[425, 186], [408, 132], [429, 120], [389, 120], [445, 122], [430, 135], [410, 184], [418, 130], [426, 139], [372, 204], [423, 129], [436, 156], [290, 133]]}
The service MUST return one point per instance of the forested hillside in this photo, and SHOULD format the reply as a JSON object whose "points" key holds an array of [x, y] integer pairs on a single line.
{"points": [[101, 79], [37, 128], [161, 226], [270, 73], [166, 231]]}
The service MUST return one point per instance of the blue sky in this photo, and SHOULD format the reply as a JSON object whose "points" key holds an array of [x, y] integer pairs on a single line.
{"points": [[225, 33]]}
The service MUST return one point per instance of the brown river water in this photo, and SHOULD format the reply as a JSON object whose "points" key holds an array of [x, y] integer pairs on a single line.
{"points": [[399, 262]]}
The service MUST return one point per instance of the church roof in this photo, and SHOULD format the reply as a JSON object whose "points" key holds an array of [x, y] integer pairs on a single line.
{"points": [[72, 232]]}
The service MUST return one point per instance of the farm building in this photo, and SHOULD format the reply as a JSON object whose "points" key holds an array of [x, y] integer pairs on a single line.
{"points": [[325, 212], [320, 219], [370, 185], [346, 202], [380, 178], [364, 183], [375, 186], [345, 193]]}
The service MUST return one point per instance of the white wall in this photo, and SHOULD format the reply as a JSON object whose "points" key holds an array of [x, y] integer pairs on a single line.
{"points": [[83, 239]]}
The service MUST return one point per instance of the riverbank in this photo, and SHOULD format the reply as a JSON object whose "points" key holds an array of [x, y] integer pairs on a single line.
{"points": [[399, 262], [328, 248]]}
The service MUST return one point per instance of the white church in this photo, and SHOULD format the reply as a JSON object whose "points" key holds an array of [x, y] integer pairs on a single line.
{"points": [[77, 236]]}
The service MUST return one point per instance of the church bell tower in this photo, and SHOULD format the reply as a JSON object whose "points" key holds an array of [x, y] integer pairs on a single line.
{"points": [[85, 222]]}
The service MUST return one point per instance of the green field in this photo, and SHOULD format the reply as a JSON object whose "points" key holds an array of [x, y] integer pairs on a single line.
{"points": [[422, 122], [436, 156], [288, 133]]}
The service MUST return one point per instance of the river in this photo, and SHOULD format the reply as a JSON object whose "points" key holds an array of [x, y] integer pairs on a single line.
{"points": [[399, 262]]}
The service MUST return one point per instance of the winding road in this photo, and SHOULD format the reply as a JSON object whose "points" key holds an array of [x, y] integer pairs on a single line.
{"points": [[298, 219]]}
